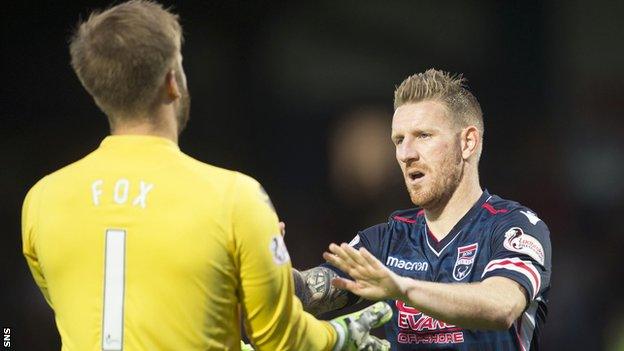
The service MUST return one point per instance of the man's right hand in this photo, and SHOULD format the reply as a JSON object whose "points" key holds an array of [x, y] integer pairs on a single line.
{"points": [[372, 279]]}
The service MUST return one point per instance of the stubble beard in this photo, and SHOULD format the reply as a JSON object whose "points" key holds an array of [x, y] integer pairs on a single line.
{"points": [[441, 185]]}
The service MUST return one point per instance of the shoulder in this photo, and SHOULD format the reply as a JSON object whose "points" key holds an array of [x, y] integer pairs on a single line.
{"points": [[208, 172], [221, 179], [502, 211], [69, 170], [520, 229], [381, 232], [33, 195], [31, 207], [399, 217], [505, 212], [63, 175], [409, 216]]}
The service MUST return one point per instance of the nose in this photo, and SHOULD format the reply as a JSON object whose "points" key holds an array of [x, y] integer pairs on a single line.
{"points": [[407, 152]]}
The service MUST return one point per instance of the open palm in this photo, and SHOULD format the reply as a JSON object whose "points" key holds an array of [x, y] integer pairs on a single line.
{"points": [[372, 280]]}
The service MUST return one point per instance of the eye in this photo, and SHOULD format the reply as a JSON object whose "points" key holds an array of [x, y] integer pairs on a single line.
{"points": [[398, 140], [424, 135]]}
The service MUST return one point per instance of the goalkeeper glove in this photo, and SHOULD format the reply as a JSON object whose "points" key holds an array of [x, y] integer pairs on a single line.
{"points": [[353, 329]]}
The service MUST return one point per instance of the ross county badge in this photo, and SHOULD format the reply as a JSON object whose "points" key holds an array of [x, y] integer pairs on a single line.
{"points": [[465, 260]]}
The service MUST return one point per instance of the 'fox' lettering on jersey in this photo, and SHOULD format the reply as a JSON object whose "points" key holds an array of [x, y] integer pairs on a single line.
{"points": [[121, 191]]}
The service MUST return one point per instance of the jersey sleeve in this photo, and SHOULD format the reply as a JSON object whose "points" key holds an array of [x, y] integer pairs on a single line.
{"points": [[274, 318], [521, 251], [30, 211], [372, 240]]}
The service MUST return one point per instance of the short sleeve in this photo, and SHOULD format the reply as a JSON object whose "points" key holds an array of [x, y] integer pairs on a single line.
{"points": [[370, 238], [521, 251], [30, 213], [275, 320]]}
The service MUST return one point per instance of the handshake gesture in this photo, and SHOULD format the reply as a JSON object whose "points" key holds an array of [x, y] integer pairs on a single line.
{"points": [[353, 329], [372, 280]]}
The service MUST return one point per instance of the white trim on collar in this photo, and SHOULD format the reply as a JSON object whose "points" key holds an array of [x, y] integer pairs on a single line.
{"points": [[449, 243]]}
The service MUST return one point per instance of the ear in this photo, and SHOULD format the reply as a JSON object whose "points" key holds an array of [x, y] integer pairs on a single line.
{"points": [[172, 90], [470, 140]]}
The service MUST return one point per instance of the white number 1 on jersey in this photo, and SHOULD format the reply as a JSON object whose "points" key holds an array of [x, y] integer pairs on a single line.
{"points": [[114, 271]]}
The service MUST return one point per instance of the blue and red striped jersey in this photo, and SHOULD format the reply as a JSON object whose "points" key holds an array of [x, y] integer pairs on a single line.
{"points": [[496, 237]]}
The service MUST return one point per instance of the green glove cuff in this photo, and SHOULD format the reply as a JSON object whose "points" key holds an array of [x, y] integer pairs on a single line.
{"points": [[353, 329], [246, 347]]}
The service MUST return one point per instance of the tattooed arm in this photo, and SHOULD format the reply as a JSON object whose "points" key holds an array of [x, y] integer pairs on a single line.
{"points": [[313, 287]]}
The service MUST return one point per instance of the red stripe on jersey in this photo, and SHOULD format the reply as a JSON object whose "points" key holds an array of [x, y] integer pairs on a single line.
{"points": [[493, 210], [403, 219], [496, 264], [518, 264]]}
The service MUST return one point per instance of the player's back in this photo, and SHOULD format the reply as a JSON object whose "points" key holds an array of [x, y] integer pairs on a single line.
{"points": [[134, 242]]}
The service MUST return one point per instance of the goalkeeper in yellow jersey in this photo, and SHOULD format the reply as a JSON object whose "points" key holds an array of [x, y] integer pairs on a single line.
{"points": [[138, 246]]}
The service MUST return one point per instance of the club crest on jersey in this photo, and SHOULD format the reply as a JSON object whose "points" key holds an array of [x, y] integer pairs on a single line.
{"points": [[466, 256], [518, 241]]}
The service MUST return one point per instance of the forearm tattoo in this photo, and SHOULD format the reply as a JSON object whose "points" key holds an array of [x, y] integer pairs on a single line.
{"points": [[313, 287]]}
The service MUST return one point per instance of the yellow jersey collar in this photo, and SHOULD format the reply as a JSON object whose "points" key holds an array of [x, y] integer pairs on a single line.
{"points": [[138, 141]]}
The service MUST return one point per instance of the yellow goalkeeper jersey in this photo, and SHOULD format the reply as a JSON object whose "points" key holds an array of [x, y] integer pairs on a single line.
{"points": [[140, 247]]}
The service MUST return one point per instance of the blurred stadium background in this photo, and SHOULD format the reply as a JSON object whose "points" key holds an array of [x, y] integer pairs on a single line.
{"points": [[299, 95]]}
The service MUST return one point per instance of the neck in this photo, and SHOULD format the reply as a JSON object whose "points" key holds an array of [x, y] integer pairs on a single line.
{"points": [[160, 124], [442, 217]]}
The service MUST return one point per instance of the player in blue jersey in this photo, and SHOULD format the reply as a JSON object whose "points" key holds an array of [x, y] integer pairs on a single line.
{"points": [[465, 269]]}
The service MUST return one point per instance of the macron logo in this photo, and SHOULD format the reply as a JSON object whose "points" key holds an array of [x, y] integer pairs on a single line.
{"points": [[407, 265]]}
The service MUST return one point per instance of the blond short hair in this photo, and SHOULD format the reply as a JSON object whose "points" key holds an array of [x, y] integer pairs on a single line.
{"points": [[122, 55], [449, 89]]}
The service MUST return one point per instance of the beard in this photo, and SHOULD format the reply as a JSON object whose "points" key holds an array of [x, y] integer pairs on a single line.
{"points": [[184, 109], [440, 185]]}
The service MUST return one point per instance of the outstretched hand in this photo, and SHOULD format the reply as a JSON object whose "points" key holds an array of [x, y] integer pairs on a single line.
{"points": [[372, 280]]}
